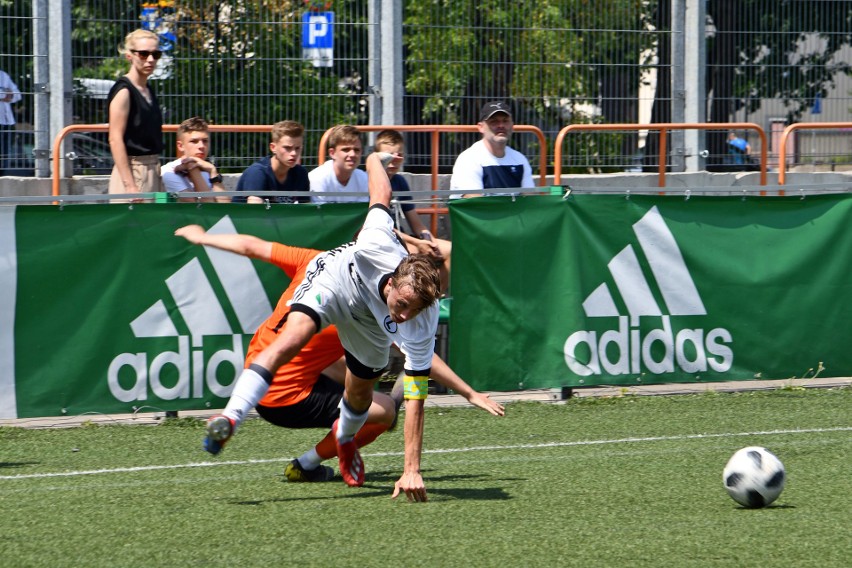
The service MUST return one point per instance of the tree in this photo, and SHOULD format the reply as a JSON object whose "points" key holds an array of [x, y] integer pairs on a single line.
{"points": [[761, 49], [230, 61], [549, 56]]}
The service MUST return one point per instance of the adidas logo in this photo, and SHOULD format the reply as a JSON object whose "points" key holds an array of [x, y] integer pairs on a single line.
{"points": [[202, 314], [625, 350]]}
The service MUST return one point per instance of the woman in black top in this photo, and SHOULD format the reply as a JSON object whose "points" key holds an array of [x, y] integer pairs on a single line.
{"points": [[135, 120]]}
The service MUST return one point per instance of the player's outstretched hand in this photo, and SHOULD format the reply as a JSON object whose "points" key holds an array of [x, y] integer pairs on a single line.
{"points": [[413, 486], [192, 233], [484, 402]]}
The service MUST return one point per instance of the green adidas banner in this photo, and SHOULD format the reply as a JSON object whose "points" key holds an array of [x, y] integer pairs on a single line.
{"points": [[616, 290], [103, 309]]}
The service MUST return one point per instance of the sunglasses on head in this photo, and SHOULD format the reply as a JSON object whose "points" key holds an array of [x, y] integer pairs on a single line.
{"points": [[143, 54]]}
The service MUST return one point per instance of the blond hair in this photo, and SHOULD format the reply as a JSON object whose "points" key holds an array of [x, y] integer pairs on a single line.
{"points": [[343, 134], [289, 128], [134, 36], [389, 137], [419, 272]]}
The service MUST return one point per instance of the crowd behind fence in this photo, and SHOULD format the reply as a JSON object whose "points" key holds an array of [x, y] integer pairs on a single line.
{"points": [[559, 63]]}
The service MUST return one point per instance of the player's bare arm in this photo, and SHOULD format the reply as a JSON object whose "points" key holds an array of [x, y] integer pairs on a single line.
{"points": [[420, 246], [411, 482], [444, 375], [246, 245], [378, 183]]}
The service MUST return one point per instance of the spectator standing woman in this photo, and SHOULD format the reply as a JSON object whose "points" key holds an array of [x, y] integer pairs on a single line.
{"points": [[9, 94], [135, 120]]}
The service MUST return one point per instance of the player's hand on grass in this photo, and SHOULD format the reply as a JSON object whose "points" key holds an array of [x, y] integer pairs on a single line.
{"points": [[413, 486], [484, 402], [192, 233]]}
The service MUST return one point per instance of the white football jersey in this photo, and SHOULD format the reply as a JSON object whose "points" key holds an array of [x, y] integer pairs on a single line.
{"points": [[344, 287]]}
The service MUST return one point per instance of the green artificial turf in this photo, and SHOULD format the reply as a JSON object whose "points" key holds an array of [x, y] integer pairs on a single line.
{"points": [[629, 481]]}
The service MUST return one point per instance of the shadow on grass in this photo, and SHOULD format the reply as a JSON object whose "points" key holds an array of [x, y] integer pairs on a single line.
{"points": [[741, 508], [376, 489], [17, 464]]}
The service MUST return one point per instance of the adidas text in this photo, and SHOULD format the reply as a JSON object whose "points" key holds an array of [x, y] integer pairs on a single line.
{"points": [[188, 366], [625, 351]]}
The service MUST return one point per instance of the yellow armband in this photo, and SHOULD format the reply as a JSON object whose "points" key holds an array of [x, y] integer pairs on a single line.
{"points": [[416, 387]]}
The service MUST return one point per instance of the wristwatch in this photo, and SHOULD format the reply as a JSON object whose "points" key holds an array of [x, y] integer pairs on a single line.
{"points": [[216, 179]]}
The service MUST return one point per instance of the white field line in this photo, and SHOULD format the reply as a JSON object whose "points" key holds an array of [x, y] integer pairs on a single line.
{"points": [[439, 451]]}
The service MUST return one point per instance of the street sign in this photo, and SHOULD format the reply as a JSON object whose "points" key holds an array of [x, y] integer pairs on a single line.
{"points": [[318, 38]]}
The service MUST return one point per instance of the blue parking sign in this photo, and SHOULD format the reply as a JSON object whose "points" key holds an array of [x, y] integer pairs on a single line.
{"points": [[317, 30]]}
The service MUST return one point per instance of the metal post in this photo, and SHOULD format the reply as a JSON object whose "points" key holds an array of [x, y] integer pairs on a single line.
{"points": [[374, 66], [391, 61], [59, 59], [41, 96], [695, 63], [678, 47]]}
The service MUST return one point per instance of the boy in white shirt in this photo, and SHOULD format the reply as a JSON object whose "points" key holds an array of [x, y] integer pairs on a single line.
{"points": [[340, 173], [192, 171]]}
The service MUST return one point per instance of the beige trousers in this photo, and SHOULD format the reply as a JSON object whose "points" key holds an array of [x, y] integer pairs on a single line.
{"points": [[146, 174]]}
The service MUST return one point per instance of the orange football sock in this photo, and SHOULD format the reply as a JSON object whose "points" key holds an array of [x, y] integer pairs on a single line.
{"points": [[327, 448], [368, 434]]}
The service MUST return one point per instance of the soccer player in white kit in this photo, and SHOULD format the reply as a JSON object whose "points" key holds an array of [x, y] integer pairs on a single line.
{"points": [[377, 295]]}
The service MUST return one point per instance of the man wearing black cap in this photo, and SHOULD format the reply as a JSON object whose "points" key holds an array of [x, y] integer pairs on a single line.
{"points": [[491, 163]]}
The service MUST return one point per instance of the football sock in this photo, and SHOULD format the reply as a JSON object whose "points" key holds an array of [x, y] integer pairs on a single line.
{"points": [[310, 459], [249, 389], [327, 448], [368, 434], [350, 421]]}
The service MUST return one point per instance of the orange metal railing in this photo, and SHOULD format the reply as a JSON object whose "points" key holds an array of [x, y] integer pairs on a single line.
{"points": [[57, 143], [436, 130], [663, 127], [782, 146]]}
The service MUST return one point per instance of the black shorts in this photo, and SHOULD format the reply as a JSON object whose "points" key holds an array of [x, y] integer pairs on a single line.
{"points": [[318, 410]]}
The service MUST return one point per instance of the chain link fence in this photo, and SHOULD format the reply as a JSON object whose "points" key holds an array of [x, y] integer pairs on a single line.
{"points": [[559, 62]]}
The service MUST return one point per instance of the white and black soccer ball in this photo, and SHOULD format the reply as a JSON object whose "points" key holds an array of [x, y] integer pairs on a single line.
{"points": [[754, 477]]}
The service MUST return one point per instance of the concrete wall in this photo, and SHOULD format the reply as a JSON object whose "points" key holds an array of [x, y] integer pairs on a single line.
{"points": [[700, 182]]}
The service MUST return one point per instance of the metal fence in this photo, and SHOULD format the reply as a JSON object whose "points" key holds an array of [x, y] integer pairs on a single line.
{"points": [[559, 62]]}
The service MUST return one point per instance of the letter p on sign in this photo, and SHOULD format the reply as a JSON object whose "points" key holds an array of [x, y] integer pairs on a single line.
{"points": [[317, 29]]}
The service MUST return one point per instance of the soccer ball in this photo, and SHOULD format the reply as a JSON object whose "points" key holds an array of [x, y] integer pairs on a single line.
{"points": [[754, 477]]}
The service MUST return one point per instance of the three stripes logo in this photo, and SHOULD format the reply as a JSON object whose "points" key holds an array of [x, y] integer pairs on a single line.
{"points": [[202, 314], [627, 350]]}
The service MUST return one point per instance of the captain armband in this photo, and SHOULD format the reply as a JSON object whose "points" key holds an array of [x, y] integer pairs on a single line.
{"points": [[416, 387]]}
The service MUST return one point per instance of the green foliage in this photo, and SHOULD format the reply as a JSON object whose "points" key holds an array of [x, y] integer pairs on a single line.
{"points": [[593, 152], [541, 52], [787, 53], [627, 481], [233, 62]]}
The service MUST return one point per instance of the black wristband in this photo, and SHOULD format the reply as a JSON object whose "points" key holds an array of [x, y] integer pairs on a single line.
{"points": [[216, 179]]}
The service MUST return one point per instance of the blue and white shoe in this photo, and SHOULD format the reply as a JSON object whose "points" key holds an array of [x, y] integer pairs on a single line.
{"points": [[220, 428]]}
